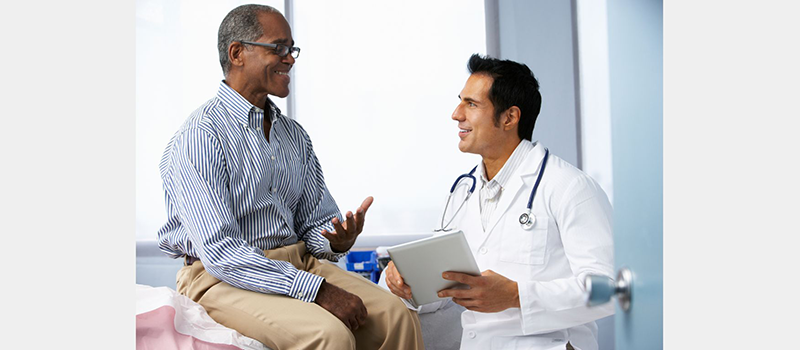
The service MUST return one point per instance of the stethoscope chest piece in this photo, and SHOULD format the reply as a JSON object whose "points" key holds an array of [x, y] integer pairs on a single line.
{"points": [[526, 220]]}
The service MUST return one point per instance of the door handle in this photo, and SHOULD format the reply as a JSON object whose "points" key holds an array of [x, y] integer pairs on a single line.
{"points": [[600, 289]]}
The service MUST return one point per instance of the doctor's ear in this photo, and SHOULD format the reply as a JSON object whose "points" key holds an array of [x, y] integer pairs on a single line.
{"points": [[510, 118]]}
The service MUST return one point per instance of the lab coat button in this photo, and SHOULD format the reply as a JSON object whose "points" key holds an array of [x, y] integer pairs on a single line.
{"points": [[483, 250], [471, 334]]}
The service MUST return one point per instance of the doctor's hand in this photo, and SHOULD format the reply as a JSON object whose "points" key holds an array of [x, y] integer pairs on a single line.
{"points": [[489, 292], [346, 306], [346, 233], [395, 282]]}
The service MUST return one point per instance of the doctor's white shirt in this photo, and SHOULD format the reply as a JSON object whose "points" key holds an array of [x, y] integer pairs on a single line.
{"points": [[570, 239], [490, 189]]}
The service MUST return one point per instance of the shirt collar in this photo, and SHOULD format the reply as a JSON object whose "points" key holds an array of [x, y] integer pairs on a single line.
{"points": [[511, 165], [242, 110]]}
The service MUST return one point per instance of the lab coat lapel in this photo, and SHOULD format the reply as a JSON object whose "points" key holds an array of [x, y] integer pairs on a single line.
{"points": [[517, 191], [472, 221]]}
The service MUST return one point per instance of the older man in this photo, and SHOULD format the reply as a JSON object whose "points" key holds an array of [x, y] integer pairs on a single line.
{"points": [[249, 211]]}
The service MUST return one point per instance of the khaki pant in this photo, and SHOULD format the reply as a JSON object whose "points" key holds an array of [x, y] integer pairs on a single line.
{"points": [[282, 322]]}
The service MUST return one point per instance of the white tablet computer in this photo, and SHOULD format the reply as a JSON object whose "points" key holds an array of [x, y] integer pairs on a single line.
{"points": [[422, 262]]}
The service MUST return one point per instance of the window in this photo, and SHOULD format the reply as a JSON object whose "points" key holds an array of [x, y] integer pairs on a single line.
{"points": [[375, 88]]}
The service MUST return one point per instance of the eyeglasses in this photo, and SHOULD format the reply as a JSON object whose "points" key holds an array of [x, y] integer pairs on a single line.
{"points": [[280, 50]]}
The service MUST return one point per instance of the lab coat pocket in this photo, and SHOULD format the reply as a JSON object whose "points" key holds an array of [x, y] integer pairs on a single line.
{"points": [[523, 246]]}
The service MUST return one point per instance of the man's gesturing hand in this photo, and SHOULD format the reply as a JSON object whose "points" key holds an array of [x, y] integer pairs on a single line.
{"points": [[347, 232], [489, 292], [344, 305]]}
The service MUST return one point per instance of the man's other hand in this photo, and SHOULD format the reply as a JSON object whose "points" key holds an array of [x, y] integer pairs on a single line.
{"points": [[344, 305]]}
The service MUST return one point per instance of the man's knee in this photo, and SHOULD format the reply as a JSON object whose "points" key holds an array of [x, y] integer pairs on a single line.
{"points": [[397, 325], [397, 311], [331, 333]]}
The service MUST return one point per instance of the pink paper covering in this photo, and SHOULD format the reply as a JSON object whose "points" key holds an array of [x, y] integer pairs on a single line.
{"points": [[167, 320], [155, 330]]}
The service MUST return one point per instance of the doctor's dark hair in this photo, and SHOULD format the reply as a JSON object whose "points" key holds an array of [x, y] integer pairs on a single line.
{"points": [[513, 85], [240, 24]]}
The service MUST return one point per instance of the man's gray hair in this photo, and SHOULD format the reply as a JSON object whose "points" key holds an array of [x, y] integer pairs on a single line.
{"points": [[240, 24]]}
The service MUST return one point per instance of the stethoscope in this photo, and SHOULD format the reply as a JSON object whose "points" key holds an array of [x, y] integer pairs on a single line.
{"points": [[526, 219]]}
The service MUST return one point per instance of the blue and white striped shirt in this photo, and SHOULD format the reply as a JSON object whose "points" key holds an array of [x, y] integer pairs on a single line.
{"points": [[231, 194]]}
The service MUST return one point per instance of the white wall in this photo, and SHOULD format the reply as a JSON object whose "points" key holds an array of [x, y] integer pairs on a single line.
{"points": [[592, 30]]}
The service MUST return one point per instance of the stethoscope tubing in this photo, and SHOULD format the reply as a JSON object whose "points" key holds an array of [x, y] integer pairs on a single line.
{"points": [[450, 196], [470, 176], [538, 179]]}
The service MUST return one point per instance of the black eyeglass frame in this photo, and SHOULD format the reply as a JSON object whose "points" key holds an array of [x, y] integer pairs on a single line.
{"points": [[280, 49]]}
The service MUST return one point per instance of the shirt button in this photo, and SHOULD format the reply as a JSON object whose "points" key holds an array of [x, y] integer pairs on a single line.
{"points": [[300, 294], [274, 190], [273, 157], [483, 250], [258, 128], [471, 334]]}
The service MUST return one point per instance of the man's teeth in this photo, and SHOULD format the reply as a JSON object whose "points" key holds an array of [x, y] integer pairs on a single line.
{"points": [[463, 130], [282, 73]]}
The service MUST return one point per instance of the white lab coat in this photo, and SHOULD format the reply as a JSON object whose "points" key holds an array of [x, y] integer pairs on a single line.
{"points": [[571, 237]]}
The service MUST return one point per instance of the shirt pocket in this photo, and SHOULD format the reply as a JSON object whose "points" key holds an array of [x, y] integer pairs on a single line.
{"points": [[521, 246]]}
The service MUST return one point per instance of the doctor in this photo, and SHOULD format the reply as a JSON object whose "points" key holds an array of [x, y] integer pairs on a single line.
{"points": [[530, 294]]}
